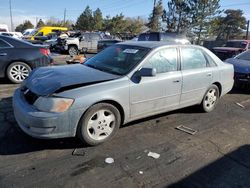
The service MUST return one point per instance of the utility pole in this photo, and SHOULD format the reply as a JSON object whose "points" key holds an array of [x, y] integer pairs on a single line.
{"points": [[247, 29], [64, 16], [11, 20]]}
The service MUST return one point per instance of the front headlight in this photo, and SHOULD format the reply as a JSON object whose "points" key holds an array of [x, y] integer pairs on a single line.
{"points": [[53, 104]]}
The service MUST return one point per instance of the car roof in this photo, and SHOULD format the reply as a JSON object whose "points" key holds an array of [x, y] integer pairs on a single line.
{"points": [[151, 44], [16, 42]]}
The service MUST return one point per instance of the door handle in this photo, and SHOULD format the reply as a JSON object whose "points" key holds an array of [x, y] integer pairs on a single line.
{"points": [[3, 54], [176, 81], [209, 74]]}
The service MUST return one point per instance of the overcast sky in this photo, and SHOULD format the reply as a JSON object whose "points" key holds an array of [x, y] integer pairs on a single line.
{"points": [[35, 9]]}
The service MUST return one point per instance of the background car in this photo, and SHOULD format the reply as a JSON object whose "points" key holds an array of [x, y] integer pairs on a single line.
{"points": [[122, 83], [102, 44], [241, 65], [231, 48], [18, 58], [160, 36]]}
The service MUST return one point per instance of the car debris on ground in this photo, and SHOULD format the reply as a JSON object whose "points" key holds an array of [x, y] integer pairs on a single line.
{"points": [[154, 155], [109, 160], [186, 129]]}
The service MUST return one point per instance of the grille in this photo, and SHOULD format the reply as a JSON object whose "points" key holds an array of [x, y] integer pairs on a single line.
{"points": [[241, 76], [29, 96]]}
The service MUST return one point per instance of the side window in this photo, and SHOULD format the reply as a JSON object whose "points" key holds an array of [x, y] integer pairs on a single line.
{"points": [[210, 61], [164, 60], [40, 34], [4, 44], [192, 58]]}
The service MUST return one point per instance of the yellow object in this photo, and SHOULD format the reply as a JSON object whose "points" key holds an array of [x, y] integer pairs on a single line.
{"points": [[42, 31]]}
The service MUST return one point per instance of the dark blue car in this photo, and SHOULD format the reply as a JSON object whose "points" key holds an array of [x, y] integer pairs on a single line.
{"points": [[241, 65]]}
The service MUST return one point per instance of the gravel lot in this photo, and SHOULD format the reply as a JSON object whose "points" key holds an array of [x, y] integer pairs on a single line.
{"points": [[216, 156]]}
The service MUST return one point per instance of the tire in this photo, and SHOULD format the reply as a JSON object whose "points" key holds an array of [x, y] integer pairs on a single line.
{"points": [[73, 50], [99, 124], [210, 99], [17, 72]]}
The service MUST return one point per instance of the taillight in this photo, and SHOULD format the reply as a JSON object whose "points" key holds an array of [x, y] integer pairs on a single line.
{"points": [[45, 51]]}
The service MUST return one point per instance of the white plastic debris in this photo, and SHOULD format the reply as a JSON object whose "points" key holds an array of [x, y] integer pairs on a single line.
{"points": [[240, 105], [154, 155], [109, 160], [140, 172]]}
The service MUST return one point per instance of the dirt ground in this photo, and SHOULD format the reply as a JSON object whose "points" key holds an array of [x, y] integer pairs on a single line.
{"points": [[216, 156]]}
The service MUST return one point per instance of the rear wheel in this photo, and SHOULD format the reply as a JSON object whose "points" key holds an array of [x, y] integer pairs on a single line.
{"points": [[210, 99], [73, 50], [99, 124], [18, 71]]}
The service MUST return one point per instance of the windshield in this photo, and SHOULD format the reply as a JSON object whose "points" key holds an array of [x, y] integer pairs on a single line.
{"points": [[236, 44], [33, 32], [244, 56], [117, 59]]}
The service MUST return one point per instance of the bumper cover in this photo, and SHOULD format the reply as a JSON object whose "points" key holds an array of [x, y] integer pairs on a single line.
{"points": [[46, 125]]}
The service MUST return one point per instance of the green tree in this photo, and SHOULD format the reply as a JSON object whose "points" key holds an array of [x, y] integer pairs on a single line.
{"points": [[203, 11], [26, 25], [155, 18], [97, 20], [228, 26], [134, 25], [178, 16], [85, 20], [116, 24], [40, 23]]}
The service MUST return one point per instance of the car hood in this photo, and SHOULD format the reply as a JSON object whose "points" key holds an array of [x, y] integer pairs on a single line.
{"points": [[48, 80], [240, 66], [226, 49]]}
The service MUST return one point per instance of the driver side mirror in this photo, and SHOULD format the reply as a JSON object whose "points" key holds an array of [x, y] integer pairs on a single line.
{"points": [[147, 72]]}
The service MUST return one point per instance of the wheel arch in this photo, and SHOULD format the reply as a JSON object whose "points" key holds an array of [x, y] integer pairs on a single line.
{"points": [[112, 102], [218, 84]]}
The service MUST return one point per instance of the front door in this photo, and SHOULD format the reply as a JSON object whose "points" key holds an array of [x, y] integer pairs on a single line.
{"points": [[152, 95]]}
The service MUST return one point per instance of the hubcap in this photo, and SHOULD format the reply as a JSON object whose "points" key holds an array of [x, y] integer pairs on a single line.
{"points": [[101, 124], [210, 98], [19, 72]]}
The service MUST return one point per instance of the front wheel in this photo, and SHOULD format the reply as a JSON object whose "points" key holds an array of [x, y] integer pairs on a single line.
{"points": [[99, 124], [210, 99], [73, 50]]}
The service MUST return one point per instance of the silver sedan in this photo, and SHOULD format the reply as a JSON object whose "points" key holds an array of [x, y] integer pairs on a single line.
{"points": [[125, 82]]}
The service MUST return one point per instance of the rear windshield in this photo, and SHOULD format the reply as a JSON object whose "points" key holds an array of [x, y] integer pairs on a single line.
{"points": [[244, 56], [236, 44], [118, 59], [149, 37]]}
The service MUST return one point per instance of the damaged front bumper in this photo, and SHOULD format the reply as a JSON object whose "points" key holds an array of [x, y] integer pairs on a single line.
{"points": [[40, 124]]}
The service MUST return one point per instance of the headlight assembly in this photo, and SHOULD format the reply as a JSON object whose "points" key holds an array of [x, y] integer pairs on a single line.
{"points": [[53, 104]]}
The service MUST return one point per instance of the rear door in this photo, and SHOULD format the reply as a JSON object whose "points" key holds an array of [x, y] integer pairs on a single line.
{"points": [[160, 92], [197, 75]]}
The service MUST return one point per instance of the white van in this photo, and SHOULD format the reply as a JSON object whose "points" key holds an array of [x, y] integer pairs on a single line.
{"points": [[4, 28]]}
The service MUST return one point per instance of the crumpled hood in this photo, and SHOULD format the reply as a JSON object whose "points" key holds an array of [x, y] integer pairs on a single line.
{"points": [[240, 66], [226, 49], [47, 80]]}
